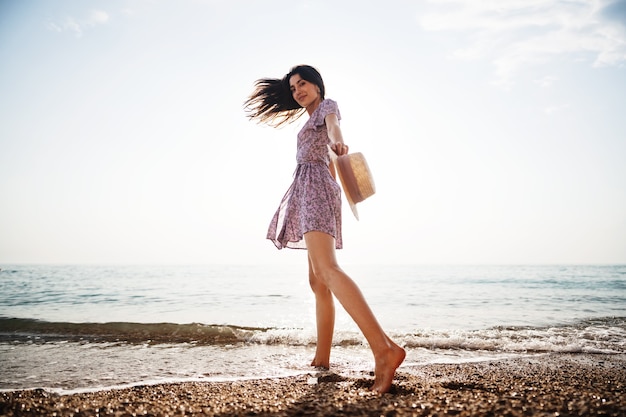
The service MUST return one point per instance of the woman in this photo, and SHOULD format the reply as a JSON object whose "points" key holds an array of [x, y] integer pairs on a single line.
{"points": [[309, 216]]}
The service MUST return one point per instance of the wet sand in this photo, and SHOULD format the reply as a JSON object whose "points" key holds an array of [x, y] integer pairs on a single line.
{"points": [[548, 385]]}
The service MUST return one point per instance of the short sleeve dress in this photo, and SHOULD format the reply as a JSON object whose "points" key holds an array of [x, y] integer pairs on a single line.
{"points": [[313, 201]]}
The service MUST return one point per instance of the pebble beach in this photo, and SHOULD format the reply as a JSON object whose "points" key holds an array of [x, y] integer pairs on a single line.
{"points": [[544, 385]]}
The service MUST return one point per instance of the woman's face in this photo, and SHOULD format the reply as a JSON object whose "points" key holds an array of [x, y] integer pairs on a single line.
{"points": [[304, 92]]}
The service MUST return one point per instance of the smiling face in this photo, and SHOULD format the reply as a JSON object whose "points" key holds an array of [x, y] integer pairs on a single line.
{"points": [[305, 93]]}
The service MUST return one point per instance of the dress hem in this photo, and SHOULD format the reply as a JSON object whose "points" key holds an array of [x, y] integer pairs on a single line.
{"points": [[279, 245]]}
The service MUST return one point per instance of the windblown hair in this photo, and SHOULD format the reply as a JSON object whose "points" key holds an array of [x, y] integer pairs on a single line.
{"points": [[272, 102]]}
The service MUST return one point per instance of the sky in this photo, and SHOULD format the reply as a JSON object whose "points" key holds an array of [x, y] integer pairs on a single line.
{"points": [[495, 130]]}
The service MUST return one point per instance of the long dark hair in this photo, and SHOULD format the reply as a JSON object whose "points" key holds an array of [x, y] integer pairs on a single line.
{"points": [[272, 102]]}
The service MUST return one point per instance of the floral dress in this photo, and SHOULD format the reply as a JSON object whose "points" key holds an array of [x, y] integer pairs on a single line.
{"points": [[313, 201]]}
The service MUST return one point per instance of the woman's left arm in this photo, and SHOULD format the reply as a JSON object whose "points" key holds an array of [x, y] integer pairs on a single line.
{"points": [[334, 133]]}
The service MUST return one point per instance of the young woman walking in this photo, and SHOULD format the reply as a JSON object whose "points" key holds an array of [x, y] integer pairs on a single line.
{"points": [[309, 215]]}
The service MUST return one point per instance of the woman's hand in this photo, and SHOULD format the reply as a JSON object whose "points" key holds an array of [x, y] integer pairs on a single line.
{"points": [[340, 148]]}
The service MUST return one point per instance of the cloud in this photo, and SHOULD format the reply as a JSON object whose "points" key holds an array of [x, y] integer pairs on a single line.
{"points": [[78, 26], [98, 16], [546, 81], [516, 34], [555, 109]]}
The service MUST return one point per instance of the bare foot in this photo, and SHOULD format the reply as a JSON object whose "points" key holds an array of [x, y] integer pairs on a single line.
{"points": [[386, 365], [321, 364]]}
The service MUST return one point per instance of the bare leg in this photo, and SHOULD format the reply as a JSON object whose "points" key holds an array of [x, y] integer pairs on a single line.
{"points": [[325, 316], [387, 355]]}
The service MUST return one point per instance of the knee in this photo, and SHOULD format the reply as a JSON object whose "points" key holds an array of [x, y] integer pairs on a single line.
{"points": [[318, 286], [323, 276]]}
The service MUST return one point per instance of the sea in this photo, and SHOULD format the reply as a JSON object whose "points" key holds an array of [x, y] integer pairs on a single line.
{"points": [[77, 328]]}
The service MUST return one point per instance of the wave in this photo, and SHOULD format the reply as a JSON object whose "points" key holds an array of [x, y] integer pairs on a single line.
{"points": [[29, 329], [607, 336], [603, 335]]}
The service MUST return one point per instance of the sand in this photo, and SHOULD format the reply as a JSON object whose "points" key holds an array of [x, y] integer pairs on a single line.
{"points": [[547, 385]]}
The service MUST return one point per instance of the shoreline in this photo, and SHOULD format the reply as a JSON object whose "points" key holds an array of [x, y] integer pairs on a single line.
{"points": [[553, 384]]}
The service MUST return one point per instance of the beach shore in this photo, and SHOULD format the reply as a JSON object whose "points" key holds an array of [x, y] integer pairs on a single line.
{"points": [[546, 385]]}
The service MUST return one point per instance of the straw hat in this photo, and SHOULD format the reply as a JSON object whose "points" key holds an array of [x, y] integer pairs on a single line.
{"points": [[356, 178]]}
